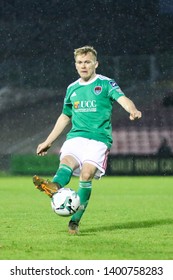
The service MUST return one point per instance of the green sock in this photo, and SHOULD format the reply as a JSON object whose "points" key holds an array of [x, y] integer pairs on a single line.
{"points": [[84, 193], [63, 175]]}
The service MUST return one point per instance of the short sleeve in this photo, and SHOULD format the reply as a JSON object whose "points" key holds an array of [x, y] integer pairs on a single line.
{"points": [[114, 91], [67, 107]]}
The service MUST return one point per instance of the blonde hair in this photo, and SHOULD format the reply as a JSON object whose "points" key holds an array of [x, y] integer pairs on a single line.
{"points": [[85, 50]]}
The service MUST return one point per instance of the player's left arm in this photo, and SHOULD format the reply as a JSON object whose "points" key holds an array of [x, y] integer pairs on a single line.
{"points": [[130, 107]]}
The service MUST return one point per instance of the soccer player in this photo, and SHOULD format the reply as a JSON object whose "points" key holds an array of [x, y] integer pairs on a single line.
{"points": [[87, 106]]}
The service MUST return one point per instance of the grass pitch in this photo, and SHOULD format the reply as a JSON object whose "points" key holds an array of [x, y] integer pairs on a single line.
{"points": [[128, 218]]}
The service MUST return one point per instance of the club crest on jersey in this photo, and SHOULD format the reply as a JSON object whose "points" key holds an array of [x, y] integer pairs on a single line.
{"points": [[97, 90]]}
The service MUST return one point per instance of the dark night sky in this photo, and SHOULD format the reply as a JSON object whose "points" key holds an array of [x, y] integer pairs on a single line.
{"points": [[166, 6], [42, 34], [116, 27]]}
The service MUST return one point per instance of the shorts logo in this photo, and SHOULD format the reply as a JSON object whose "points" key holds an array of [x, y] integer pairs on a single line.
{"points": [[97, 90]]}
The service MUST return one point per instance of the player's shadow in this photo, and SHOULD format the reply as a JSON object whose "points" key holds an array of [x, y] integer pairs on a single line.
{"points": [[129, 225]]}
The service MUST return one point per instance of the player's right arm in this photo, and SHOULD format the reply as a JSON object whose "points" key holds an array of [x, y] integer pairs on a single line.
{"points": [[130, 107], [61, 123]]}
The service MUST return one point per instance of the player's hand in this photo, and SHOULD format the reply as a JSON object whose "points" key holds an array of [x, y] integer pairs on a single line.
{"points": [[42, 149], [135, 115]]}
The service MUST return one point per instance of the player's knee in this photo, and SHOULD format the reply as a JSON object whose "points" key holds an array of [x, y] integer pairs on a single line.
{"points": [[70, 161], [87, 174]]}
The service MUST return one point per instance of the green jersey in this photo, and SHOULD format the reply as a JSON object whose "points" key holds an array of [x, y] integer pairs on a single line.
{"points": [[89, 105]]}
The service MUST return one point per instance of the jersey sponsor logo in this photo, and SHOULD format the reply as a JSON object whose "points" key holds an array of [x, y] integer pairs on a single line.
{"points": [[76, 104], [113, 84], [85, 106], [97, 90]]}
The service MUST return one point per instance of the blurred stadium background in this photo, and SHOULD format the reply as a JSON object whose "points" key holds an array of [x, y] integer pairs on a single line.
{"points": [[134, 42]]}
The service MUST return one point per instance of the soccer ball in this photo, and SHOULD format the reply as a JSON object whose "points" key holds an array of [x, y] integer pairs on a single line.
{"points": [[65, 202]]}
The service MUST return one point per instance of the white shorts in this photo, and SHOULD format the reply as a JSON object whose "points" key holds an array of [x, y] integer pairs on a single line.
{"points": [[86, 150]]}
